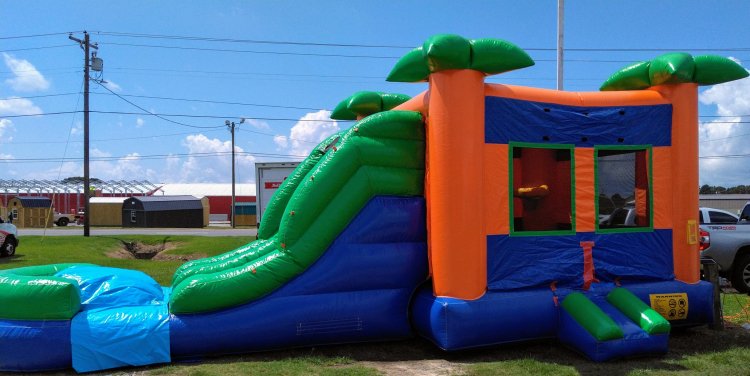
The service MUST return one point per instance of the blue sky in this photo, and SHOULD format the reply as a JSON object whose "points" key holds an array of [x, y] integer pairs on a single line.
{"points": [[278, 64]]}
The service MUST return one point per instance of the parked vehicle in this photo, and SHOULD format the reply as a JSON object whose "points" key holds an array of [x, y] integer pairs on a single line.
{"points": [[268, 178], [625, 217], [728, 244], [716, 216], [8, 239], [62, 219]]}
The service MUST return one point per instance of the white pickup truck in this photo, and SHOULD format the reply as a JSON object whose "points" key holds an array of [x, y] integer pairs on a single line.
{"points": [[727, 242], [8, 239]]}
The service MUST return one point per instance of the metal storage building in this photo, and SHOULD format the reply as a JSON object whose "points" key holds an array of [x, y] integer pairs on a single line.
{"points": [[729, 202], [31, 211], [106, 211], [165, 211]]}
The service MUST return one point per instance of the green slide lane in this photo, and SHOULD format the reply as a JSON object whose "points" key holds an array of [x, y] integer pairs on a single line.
{"points": [[270, 224], [382, 154]]}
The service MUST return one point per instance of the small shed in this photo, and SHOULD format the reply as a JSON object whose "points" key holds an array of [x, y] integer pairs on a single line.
{"points": [[106, 211], [245, 214], [31, 212], [164, 211]]}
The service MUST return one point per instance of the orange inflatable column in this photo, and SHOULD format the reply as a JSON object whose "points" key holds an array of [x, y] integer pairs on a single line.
{"points": [[684, 98], [455, 169]]}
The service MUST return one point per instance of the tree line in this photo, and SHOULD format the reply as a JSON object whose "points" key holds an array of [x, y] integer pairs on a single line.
{"points": [[717, 189]]}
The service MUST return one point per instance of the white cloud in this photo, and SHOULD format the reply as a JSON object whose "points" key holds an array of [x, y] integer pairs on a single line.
{"points": [[281, 141], [310, 130], [77, 128], [139, 122], [18, 106], [57, 171], [258, 124], [26, 76], [128, 167], [112, 86], [7, 169], [725, 136], [5, 126], [204, 166]]}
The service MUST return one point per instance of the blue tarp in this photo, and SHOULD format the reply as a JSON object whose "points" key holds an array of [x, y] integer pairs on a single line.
{"points": [[124, 319], [111, 287], [117, 337]]}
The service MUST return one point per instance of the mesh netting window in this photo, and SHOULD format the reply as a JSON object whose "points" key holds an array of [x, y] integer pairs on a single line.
{"points": [[623, 188]]}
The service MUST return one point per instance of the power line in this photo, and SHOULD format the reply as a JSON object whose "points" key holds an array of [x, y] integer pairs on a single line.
{"points": [[37, 48], [179, 115], [250, 51], [40, 35], [360, 45], [40, 96], [151, 157], [728, 156], [249, 41], [151, 113], [213, 102]]}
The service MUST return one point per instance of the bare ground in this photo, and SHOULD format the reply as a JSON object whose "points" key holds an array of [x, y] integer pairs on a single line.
{"points": [[156, 252]]}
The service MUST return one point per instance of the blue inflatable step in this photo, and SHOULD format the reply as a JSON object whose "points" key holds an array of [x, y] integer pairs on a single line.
{"points": [[634, 341]]}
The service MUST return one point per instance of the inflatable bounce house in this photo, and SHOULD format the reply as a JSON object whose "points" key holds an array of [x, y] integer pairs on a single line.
{"points": [[472, 214]]}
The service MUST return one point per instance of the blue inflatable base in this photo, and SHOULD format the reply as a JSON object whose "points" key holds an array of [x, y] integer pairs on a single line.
{"points": [[495, 318], [34, 346], [500, 317]]}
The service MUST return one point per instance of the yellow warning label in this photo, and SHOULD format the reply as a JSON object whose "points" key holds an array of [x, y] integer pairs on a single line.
{"points": [[671, 306], [692, 231]]}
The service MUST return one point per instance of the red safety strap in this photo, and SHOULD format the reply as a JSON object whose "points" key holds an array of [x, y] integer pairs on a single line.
{"points": [[588, 265], [553, 287]]}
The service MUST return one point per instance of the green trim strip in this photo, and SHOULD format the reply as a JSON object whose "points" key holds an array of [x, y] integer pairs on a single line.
{"points": [[382, 154], [591, 317], [637, 311]]}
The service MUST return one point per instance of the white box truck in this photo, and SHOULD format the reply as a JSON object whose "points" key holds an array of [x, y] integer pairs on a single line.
{"points": [[268, 178]]}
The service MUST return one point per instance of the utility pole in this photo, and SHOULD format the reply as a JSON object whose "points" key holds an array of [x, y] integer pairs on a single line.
{"points": [[560, 40], [86, 45], [230, 125]]}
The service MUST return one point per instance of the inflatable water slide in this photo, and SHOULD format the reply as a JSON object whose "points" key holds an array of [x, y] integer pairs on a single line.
{"points": [[473, 214]]}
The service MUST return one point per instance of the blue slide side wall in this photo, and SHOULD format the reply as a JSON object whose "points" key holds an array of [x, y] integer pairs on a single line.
{"points": [[359, 290]]}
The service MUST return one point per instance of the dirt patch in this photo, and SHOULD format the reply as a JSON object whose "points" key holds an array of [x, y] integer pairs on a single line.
{"points": [[424, 367], [156, 252]]}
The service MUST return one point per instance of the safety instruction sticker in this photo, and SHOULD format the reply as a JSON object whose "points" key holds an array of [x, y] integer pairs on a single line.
{"points": [[671, 306]]}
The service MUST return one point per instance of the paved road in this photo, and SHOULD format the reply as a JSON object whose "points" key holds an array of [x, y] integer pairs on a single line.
{"points": [[78, 231]]}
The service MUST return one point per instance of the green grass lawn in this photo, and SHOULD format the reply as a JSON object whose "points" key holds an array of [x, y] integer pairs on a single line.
{"points": [[692, 352], [38, 250]]}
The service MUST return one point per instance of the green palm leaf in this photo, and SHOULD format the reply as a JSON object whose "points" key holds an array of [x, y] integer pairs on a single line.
{"points": [[365, 103], [448, 51], [675, 68]]}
